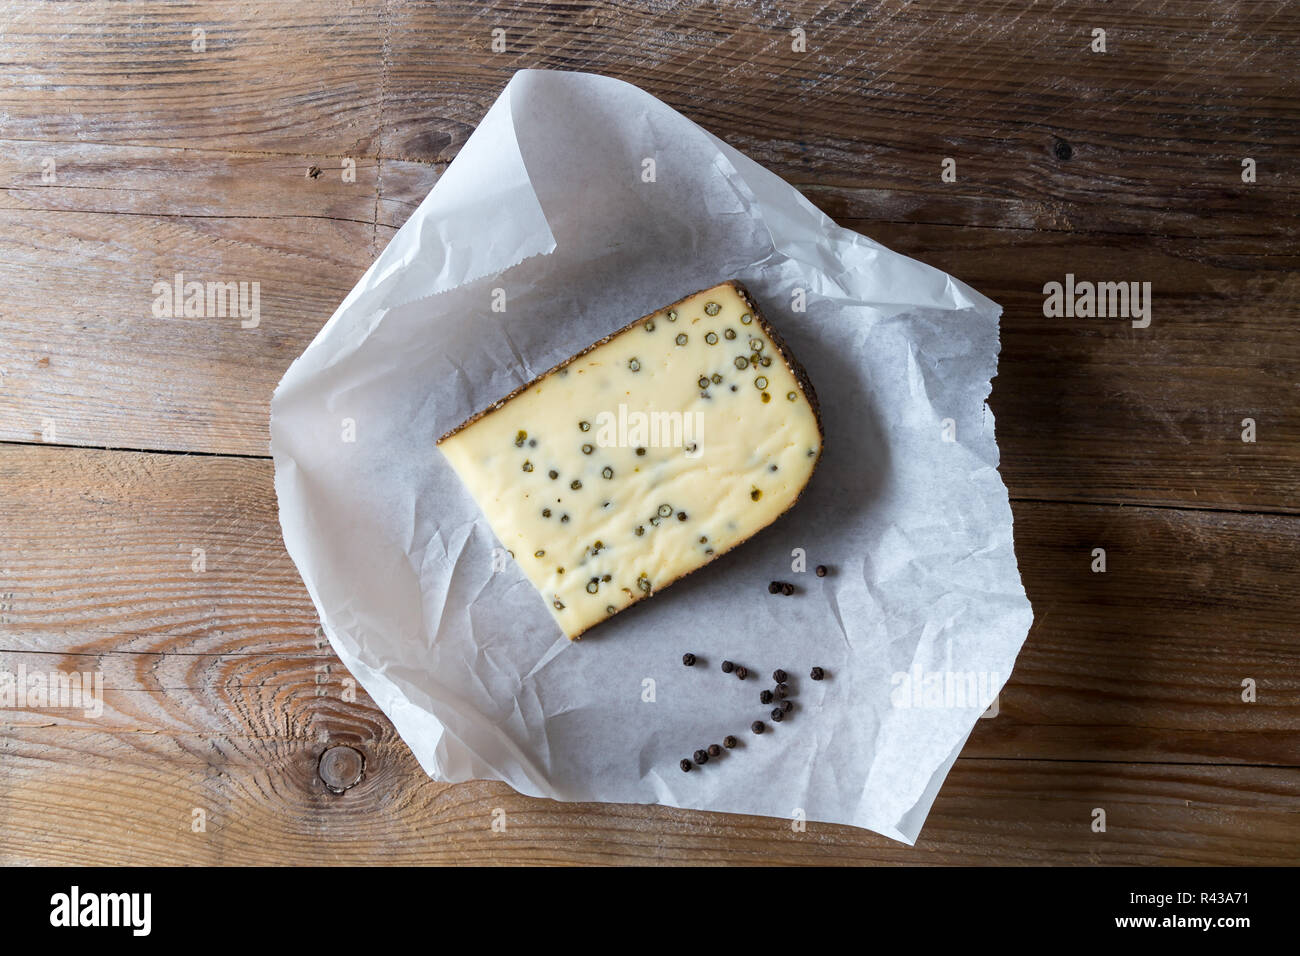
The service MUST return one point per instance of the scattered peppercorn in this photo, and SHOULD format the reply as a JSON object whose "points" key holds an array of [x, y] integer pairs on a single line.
{"points": [[685, 765], [779, 676], [757, 727], [787, 705], [729, 741], [778, 714], [774, 587], [701, 756], [781, 691], [728, 667], [688, 660], [715, 750], [787, 589], [765, 697], [742, 672], [817, 673], [821, 570]]}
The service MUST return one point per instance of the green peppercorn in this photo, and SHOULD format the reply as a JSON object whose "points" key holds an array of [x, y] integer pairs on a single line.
{"points": [[711, 338], [665, 510], [607, 472], [681, 338], [712, 308]]}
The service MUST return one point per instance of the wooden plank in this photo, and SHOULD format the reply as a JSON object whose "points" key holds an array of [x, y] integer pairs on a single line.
{"points": [[1096, 410], [186, 183], [1154, 129], [1156, 126], [291, 78], [87, 361], [101, 798], [1220, 348], [1143, 662]]}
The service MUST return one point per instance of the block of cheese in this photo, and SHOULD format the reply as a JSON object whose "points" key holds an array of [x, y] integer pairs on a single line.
{"points": [[645, 456]]}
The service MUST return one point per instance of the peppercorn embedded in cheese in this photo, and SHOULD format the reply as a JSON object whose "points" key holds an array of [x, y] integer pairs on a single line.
{"points": [[645, 456]]}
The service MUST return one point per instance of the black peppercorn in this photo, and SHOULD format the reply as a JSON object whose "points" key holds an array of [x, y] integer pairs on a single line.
{"points": [[765, 697], [780, 691], [688, 660], [778, 714], [779, 676], [701, 756], [742, 672], [728, 741], [728, 667], [685, 765], [817, 673], [714, 750], [787, 705], [774, 587], [757, 727], [821, 570], [787, 589]]}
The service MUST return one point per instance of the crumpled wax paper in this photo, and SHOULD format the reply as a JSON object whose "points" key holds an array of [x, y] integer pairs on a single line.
{"points": [[549, 203]]}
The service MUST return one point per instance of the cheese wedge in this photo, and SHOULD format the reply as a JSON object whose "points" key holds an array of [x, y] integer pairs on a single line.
{"points": [[645, 456]]}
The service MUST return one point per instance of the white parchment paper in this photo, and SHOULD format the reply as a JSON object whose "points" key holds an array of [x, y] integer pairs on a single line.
{"points": [[548, 202]]}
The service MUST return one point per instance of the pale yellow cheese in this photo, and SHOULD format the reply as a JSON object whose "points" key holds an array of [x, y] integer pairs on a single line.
{"points": [[644, 457]]}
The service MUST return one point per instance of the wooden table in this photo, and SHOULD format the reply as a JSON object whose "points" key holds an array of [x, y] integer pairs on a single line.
{"points": [[128, 154]]}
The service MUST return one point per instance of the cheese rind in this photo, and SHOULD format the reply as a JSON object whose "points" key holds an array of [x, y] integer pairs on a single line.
{"points": [[645, 456]]}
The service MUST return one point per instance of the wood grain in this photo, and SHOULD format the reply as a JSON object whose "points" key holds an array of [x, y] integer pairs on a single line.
{"points": [[87, 798], [1141, 663], [1088, 409], [1156, 126]]}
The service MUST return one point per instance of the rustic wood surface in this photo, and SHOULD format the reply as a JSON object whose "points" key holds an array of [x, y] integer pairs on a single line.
{"points": [[125, 440]]}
